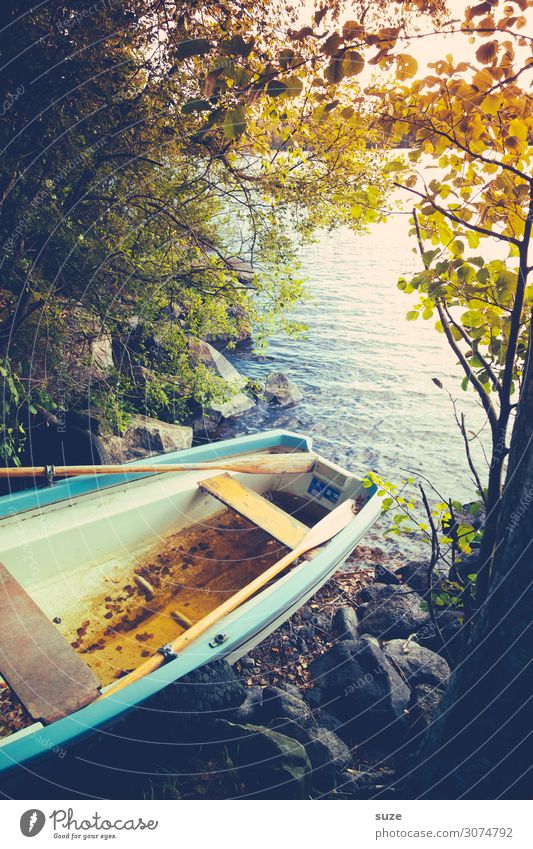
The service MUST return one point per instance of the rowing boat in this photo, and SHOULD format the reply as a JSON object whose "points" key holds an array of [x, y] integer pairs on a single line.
{"points": [[100, 574]]}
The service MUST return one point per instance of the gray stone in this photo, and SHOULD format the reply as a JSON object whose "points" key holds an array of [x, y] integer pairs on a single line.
{"points": [[277, 702], [371, 592], [328, 754], [384, 575], [250, 710], [282, 391], [238, 402], [345, 623], [448, 639], [355, 681], [424, 706], [145, 437], [414, 573], [394, 612], [417, 664], [270, 764]]}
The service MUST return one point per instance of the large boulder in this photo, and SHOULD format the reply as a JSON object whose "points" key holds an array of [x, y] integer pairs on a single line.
{"points": [[250, 710], [425, 702], [238, 402], [145, 437], [395, 611], [188, 709], [345, 623], [328, 754], [414, 573], [278, 702], [270, 765], [384, 575], [417, 664], [356, 681], [447, 638], [241, 330], [281, 391]]}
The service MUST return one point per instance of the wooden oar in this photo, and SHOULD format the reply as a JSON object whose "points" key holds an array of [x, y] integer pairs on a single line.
{"points": [[327, 528], [270, 464]]}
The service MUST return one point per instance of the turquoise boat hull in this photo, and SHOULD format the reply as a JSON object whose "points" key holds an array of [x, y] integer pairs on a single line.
{"points": [[243, 628]]}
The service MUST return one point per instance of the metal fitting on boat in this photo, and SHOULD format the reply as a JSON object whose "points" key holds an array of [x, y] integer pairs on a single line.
{"points": [[218, 640], [50, 474], [168, 652]]}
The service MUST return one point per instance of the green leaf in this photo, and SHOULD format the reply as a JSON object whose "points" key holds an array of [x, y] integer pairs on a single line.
{"points": [[192, 47], [353, 63], [275, 88], [335, 71], [195, 106], [412, 315], [234, 123], [237, 45]]}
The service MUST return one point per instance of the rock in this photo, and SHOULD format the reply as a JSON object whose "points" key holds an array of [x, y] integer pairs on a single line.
{"points": [[345, 623], [338, 752], [365, 784], [414, 573], [321, 621], [328, 754], [292, 689], [270, 764], [238, 403], [204, 353], [418, 665], [384, 575], [371, 592], [424, 705], [234, 406], [208, 691], [188, 708], [88, 354], [145, 437], [355, 681], [241, 332], [250, 710], [468, 565], [450, 639], [281, 391], [278, 702], [396, 611]]}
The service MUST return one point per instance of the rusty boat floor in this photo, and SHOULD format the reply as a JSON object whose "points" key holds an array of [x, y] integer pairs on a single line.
{"points": [[158, 595]]}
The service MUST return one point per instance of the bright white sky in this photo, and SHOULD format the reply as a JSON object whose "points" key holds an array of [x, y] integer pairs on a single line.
{"points": [[426, 49]]}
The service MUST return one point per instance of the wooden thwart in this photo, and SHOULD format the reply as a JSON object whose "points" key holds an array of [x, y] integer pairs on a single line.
{"points": [[280, 525], [45, 673]]}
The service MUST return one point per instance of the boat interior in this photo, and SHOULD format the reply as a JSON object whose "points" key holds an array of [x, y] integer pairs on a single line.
{"points": [[92, 587]]}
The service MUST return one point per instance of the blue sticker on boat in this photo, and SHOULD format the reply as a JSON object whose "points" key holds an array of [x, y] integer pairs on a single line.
{"points": [[316, 488], [331, 494]]}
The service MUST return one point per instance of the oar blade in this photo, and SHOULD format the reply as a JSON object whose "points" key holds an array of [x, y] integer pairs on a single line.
{"points": [[271, 464], [330, 525]]}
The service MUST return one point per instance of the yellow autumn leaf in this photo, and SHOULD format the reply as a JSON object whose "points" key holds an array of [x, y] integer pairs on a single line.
{"points": [[483, 80], [491, 104], [518, 129], [406, 66], [353, 63]]}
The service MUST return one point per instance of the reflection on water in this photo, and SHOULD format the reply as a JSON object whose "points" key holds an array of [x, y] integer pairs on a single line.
{"points": [[366, 372]]}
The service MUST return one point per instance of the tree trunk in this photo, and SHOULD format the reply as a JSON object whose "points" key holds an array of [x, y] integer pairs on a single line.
{"points": [[478, 748]]}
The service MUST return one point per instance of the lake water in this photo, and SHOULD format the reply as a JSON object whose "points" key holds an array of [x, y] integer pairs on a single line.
{"points": [[366, 372]]}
